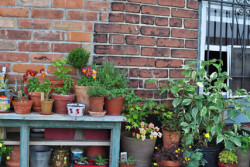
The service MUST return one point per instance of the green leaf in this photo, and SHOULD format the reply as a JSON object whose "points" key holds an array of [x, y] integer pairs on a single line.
{"points": [[186, 102], [213, 76], [236, 141], [194, 112], [184, 124], [219, 105], [203, 111], [176, 102], [175, 89], [200, 84], [219, 139]]}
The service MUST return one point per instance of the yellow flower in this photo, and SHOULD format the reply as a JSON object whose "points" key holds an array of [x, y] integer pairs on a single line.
{"points": [[176, 155], [190, 146], [142, 124], [155, 164], [176, 151], [179, 149], [188, 159], [156, 148], [8, 157], [137, 136], [207, 135], [1, 144]]}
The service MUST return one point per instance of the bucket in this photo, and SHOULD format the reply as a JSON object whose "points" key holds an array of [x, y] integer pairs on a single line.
{"points": [[40, 156]]}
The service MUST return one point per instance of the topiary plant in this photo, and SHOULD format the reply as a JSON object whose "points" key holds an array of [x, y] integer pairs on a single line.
{"points": [[78, 58], [228, 157]]}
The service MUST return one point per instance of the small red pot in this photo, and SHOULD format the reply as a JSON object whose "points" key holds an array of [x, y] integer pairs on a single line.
{"points": [[123, 165], [114, 105], [227, 165]]}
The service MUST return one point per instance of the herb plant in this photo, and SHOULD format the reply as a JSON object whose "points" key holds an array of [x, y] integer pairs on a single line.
{"points": [[96, 91], [228, 157], [78, 58], [245, 143], [100, 161], [128, 161]]}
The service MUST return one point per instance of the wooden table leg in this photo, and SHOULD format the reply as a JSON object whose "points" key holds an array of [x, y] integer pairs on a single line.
{"points": [[24, 146], [115, 145]]}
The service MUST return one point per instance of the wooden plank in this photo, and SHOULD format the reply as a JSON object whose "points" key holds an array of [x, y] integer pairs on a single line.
{"points": [[24, 147], [115, 145]]}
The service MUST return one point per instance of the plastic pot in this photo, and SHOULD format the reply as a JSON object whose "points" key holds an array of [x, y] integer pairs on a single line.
{"points": [[22, 107], [114, 105], [40, 156], [46, 107], [211, 156], [61, 101], [36, 98]]}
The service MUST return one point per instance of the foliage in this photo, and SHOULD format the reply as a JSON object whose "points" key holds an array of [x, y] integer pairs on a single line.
{"points": [[78, 58], [203, 117], [19, 94], [116, 92], [96, 90], [227, 157], [100, 161], [5, 150], [128, 161], [193, 158], [245, 143], [172, 153], [5, 89], [62, 71], [33, 82], [88, 77]]}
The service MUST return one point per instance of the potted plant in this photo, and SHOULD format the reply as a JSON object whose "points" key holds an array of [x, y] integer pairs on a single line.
{"points": [[129, 162], [4, 151], [21, 103], [172, 156], [62, 95], [82, 162], [227, 159], [96, 98], [243, 151], [100, 161], [5, 97]]}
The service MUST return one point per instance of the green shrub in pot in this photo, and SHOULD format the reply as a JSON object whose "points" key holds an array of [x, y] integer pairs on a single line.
{"points": [[78, 58]]}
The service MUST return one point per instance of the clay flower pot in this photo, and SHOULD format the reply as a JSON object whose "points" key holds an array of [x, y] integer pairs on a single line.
{"points": [[123, 165], [36, 98], [14, 160], [170, 163], [170, 137], [22, 107], [114, 105], [96, 104], [57, 85], [82, 96], [46, 107], [227, 165], [94, 151], [61, 101]]}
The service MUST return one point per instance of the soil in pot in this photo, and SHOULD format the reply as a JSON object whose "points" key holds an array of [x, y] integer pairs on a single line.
{"points": [[46, 107], [243, 160], [22, 107], [114, 105], [82, 96], [14, 160], [36, 98], [96, 104], [170, 137], [61, 101], [165, 163]]}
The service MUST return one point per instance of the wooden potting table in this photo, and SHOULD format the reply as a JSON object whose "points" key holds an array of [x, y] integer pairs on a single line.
{"points": [[35, 120]]}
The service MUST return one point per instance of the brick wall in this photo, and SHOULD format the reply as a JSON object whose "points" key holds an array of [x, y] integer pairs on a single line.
{"points": [[150, 38]]}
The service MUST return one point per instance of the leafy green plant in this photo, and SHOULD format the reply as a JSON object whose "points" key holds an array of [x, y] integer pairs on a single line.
{"points": [[193, 157], [5, 89], [20, 94], [100, 161], [172, 153], [5, 150], [128, 161], [78, 58], [116, 92], [62, 72], [228, 157], [245, 143], [96, 91], [33, 82], [88, 77]]}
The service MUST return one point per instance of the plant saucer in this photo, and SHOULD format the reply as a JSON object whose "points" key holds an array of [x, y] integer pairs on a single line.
{"points": [[97, 114]]}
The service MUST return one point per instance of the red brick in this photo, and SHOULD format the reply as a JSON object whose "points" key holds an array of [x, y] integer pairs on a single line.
{"points": [[116, 17], [130, 18], [15, 34], [177, 3], [184, 13], [48, 35], [134, 72], [153, 73], [14, 12], [98, 60], [45, 58], [7, 2], [14, 56], [96, 5], [144, 93], [64, 47], [133, 8], [168, 63], [193, 4], [82, 15], [100, 38], [182, 33], [104, 16], [33, 46], [191, 44], [156, 52], [117, 6], [170, 42], [174, 22], [153, 10], [67, 4], [117, 50], [117, 39], [79, 36], [179, 53], [47, 13], [7, 23], [33, 24], [8, 67], [158, 95], [155, 31], [144, 1], [194, 24], [161, 21], [152, 85], [8, 45], [67, 25], [176, 74], [22, 68], [133, 83], [89, 26], [117, 28], [139, 40], [147, 19]]}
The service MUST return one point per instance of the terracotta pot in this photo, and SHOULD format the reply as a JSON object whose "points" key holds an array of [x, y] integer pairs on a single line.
{"points": [[94, 151], [114, 105], [226, 165], [243, 160], [82, 96], [165, 163], [96, 104], [141, 151], [60, 158], [22, 107], [59, 84], [14, 160], [46, 107], [170, 137], [36, 98], [61, 101], [123, 165]]}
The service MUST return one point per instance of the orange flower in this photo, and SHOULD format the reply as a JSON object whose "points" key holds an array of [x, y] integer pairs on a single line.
{"points": [[84, 70], [33, 73], [43, 74], [42, 70], [94, 71], [88, 72], [25, 77], [94, 76]]}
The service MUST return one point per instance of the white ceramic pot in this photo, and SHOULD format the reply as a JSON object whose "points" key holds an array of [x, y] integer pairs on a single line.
{"points": [[75, 109]]}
